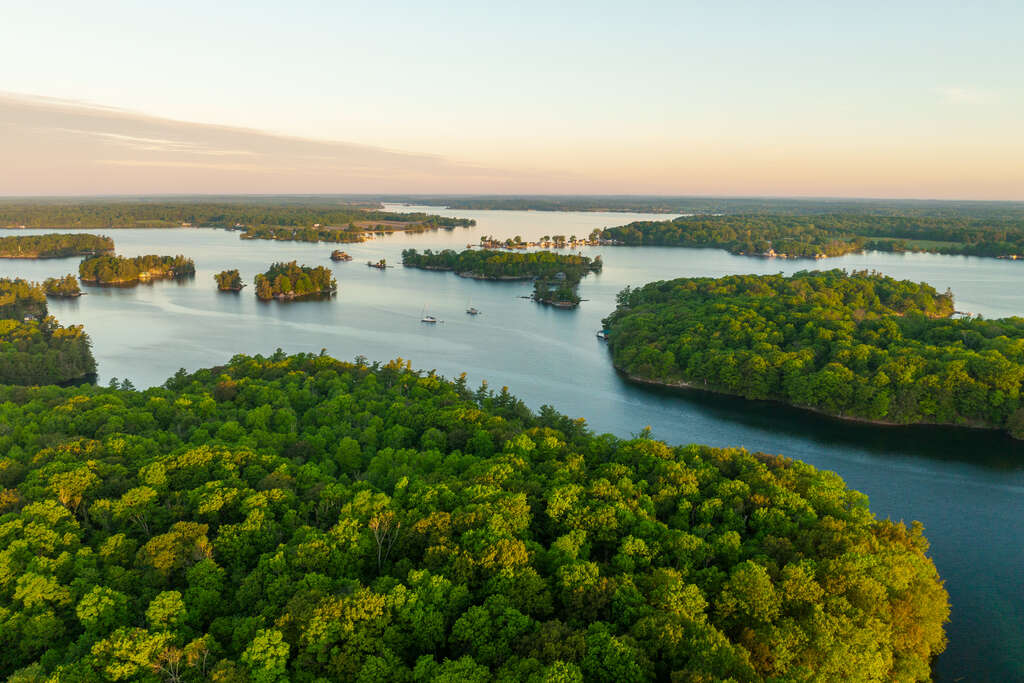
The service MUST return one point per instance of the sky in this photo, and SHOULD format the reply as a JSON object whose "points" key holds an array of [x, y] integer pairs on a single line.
{"points": [[863, 99]]}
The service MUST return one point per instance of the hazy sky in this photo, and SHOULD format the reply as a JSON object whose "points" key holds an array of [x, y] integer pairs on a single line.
{"points": [[893, 99]]}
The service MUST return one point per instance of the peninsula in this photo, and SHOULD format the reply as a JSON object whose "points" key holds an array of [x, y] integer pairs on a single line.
{"points": [[858, 345], [299, 518], [827, 235], [34, 348]]}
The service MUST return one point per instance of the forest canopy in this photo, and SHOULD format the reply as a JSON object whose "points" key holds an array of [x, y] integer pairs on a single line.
{"points": [[817, 236], [857, 345], [126, 270], [54, 245], [20, 298], [292, 281], [297, 518]]}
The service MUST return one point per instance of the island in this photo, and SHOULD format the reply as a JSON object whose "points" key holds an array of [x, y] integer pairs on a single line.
{"points": [[229, 281], [556, 293], [556, 276], [54, 245], [34, 348], [66, 287], [289, 281], [299, 518], [828, 235], [859, 346], [339, 255], [121, 270]]}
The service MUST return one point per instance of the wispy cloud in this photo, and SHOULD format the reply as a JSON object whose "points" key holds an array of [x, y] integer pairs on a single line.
{"points": [[159, 144], [965, 95], [55, 146]]}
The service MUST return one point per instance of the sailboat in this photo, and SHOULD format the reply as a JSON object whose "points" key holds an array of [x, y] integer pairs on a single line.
{"points": [[471, 310], [426, 318]]}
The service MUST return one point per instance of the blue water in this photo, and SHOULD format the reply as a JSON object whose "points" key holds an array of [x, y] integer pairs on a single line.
{"points": [[966, 487]]}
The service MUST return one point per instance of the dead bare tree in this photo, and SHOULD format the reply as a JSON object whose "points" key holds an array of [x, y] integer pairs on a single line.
{"points": [[385, 527]]}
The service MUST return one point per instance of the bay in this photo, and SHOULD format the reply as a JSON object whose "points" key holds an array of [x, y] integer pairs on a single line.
{"points": [[966, 486]]}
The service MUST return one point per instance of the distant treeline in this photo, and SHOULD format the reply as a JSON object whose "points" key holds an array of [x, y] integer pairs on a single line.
{"points": [[139, 214], [34, 348], [412, 222], [829, 234], [54, 245], [124, 270], [857, 345], [292, 281], [711, 205]]}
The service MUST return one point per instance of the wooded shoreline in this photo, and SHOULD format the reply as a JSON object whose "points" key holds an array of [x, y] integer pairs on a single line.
{"points": [[685, 386]]}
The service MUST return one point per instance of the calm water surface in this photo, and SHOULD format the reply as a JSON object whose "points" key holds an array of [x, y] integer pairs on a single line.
{"points": [[966, 487]]}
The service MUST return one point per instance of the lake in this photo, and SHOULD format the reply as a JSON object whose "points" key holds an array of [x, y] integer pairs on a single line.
{"points": [[967, 487]]}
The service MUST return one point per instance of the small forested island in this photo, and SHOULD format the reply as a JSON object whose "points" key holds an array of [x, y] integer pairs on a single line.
{"points": [[557, 293], [348, 233], [292, 281], [339, 255], [556, 275], [121, 270], [488, 264], [826, 235], [54, 245], [860, 345], [35, 349], [298, 518], [66, 286], [229, 281]]}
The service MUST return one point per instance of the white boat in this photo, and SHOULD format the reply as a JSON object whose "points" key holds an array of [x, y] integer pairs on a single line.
{"points": [[427, 318], [472, 311], [602, 335]]}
